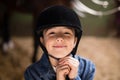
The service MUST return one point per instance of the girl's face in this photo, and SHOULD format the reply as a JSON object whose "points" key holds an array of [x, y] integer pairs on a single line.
{"points": [[59, 41]]}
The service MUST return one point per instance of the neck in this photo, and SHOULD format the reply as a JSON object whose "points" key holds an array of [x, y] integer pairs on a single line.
{"points": [[53, 61]]}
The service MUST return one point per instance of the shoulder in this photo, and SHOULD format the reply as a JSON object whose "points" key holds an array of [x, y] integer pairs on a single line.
{"points": [[35, 71], [32, 69], [38, 67], [84, 61], [33, 66], [86, 67]]}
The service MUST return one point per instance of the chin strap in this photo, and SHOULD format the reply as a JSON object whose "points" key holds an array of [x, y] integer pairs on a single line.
{"points": [[53, 57], [56, 57]]}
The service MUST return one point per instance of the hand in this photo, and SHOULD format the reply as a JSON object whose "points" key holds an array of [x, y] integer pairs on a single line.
{"points": [[62, 70], [73, 65]]}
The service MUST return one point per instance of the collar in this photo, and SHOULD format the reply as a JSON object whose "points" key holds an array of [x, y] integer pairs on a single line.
{"points": [[45, 66]]}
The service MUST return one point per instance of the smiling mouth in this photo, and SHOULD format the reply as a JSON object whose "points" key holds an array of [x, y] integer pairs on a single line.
{"points": [[59, 46]]}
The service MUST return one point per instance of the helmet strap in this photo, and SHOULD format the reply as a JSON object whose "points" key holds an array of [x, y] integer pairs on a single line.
{"points": [[56, 57]]}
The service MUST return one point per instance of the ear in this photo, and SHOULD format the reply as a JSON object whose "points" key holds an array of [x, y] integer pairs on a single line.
{"points": [[75, 41], [41, 40]]}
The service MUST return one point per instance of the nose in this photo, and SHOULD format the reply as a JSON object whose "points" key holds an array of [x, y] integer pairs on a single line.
{"points": [[59, 39]]}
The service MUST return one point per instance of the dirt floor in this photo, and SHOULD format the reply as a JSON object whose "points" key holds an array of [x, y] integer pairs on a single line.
{"points": [[104, 52]]}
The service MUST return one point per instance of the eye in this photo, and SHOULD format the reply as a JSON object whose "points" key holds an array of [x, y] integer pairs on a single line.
{"points": [[51, 33], [67, 33]]}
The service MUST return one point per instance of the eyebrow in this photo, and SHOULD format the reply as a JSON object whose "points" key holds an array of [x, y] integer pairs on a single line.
{"points": [[53, 27]]}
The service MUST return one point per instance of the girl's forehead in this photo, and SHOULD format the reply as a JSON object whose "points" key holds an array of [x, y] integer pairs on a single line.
{"points": [[59, 28]]}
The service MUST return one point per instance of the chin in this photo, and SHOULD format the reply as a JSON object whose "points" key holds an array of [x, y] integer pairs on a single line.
{"points": [[59, 56]]}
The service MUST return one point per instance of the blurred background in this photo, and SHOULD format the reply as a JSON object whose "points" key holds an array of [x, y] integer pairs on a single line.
{"points": [[100, 42]]}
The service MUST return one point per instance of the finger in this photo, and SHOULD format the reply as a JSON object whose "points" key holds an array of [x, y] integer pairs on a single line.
{"points": [[62, 67], [69, 61], [61, 61], [66, 70]]}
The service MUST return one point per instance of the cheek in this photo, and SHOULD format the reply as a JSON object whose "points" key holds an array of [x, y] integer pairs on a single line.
{"points": [[48, 43], [71, 44]]}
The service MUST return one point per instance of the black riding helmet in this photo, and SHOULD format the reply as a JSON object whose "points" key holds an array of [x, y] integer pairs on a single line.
{"points": [[58, 16]]}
